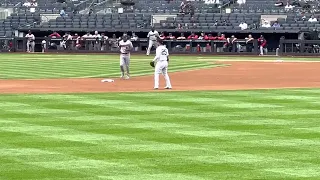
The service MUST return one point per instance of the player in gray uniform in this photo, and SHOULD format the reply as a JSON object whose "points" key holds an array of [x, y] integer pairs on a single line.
{"points": [[125, 48], [30, 42], [153, 35]]}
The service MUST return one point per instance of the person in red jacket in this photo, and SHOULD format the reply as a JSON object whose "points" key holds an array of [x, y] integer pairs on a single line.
{"points": [[171, 37], [221, 37], [262, 42], [162, 36], [193, 36], [210, 37], [55, 35]]}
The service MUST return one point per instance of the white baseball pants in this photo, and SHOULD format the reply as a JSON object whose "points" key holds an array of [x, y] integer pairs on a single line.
{"points": [[161, 68]]}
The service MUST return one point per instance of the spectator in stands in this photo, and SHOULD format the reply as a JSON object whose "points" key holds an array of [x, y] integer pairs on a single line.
{"points": [[262, 42], [27, 4], [249, 43], [34, 3], [279, 3], [313, 19], [162, 36], [266, 24], [171, 37], [240, 2], [276, 24], [243, 26], [216, 23], [181, 37], [90, 11], [288, 7], [183, 6], [225, 23], [179, 26], [55, 35], [193, 36], [88, 35], [63, 12]]}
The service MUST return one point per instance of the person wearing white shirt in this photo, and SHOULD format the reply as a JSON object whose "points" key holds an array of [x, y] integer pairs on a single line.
{"points": [[313, 19], [162, 60], [27, 4], [88, 35], [30, 42], [125, 49], [288, 7], [96, 43], [243, 26], [44, 44], [266, 24], [153, 35]]}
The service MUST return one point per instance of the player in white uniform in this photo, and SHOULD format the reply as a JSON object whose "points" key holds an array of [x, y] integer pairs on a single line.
{"points": [[30, 42], [152, 36], [162, 60], [125, 48]]}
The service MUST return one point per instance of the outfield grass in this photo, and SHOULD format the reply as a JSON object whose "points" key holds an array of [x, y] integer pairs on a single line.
{"points": [[265, 134], [39, 66]]}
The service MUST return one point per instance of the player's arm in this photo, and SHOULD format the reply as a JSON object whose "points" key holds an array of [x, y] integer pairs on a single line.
{"points": [[157, 55], [131, 46], [167, 55]]}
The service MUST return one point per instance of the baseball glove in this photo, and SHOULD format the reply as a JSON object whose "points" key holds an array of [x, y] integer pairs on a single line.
{"points": [[152, 64]]}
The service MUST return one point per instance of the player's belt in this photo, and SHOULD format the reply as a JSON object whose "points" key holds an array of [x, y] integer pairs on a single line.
{"points": [[124, 53]]}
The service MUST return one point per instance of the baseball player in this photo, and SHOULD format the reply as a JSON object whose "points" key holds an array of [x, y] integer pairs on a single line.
{"points": [[152, 36], [125, 48], [162, 60], [30, 42]]}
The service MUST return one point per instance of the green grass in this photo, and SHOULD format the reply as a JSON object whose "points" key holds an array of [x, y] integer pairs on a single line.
{"points": [[265, 134], [39, 66]]}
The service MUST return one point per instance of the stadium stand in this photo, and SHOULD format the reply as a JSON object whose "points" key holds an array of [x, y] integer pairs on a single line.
{"points": [[141, 16]]}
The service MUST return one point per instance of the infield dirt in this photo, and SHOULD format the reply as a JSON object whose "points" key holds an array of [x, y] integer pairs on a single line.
{"points": [[237, 76]]}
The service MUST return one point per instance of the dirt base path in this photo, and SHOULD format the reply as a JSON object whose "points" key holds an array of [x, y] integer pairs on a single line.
{"points": [[237, 76]]}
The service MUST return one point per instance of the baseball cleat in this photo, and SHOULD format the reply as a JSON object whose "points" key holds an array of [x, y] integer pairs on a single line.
{"points": [[127, 77], [168, 87], [155, 88]]}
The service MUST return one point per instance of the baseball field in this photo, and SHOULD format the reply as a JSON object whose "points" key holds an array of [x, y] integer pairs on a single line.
{"points": [[225, 118]]}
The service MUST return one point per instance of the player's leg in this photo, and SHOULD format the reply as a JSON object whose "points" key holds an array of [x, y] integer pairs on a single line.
{"points": [[28, 46], [122, 65], [157, 72], [32, 46], [149, 47], [166, 76], [261, 50], [127, 64]]}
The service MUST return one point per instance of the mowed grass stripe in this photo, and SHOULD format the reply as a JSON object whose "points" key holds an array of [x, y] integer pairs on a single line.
{"points": [[43, 66], [203, 135]]}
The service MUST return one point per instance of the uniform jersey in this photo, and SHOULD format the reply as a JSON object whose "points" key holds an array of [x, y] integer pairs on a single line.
{"points": [[153, 35], [30, 37], [125, 47], [162, 53]]}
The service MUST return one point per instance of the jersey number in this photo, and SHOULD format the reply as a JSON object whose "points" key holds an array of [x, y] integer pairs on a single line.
{"points": [[164, 52]]}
